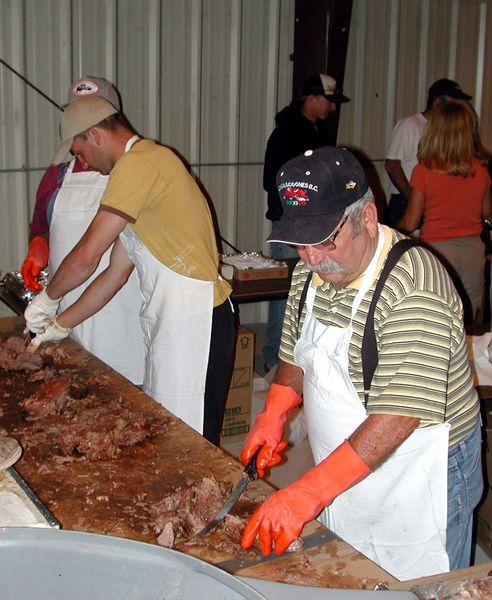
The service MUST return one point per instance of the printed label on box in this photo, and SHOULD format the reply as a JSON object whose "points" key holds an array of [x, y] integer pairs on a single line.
{"points": [[237, 415], [241, 378]]}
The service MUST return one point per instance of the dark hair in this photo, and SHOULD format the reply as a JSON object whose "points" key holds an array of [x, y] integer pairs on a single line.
{"points": [[116, 121]]}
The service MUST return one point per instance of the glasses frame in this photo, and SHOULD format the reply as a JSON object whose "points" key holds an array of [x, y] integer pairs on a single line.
{"points": [[329, 244]]}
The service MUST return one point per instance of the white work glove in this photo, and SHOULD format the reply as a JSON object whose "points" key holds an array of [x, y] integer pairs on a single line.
{"points": [[53, 333], [40, 312]]}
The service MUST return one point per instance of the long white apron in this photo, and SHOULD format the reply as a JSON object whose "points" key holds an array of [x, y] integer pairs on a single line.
{"points": [[397, 516], [176, 319], [113, 334]]}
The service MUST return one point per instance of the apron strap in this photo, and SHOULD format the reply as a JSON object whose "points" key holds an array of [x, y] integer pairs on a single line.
{"points": [[369, 346], [62, 171], [302, 299]]}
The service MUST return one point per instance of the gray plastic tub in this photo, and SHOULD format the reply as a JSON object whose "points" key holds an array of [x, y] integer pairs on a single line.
{"points": [[50, 564]]}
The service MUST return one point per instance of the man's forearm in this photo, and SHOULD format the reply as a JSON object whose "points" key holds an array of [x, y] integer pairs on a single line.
{"points": [[290, 375], [73, 271], [82, 261], [95, 297], [379, 435], [397, 176]]}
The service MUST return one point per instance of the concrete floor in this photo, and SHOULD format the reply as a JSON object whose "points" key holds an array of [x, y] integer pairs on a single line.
{"points": [[298, 455]]}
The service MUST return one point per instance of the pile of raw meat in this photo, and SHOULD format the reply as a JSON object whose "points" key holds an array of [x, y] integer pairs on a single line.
{"points": [[14, 357], [471, 589], [63, 412], [181, 515], [94, 430]]}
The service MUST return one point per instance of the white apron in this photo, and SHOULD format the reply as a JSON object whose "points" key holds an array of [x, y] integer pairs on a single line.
{"points": [[113, 334], [397, 516], [176, 319]]}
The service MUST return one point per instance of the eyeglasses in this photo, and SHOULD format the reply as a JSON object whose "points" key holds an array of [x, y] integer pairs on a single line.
{"points": [[329, 243]]}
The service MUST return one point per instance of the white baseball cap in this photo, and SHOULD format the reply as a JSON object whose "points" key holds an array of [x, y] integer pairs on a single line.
{"points": [[320, 84], [78, 116]]}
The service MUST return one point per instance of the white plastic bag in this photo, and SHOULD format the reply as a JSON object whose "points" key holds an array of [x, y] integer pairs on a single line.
{"points": [[480, 359], [295, 427]]}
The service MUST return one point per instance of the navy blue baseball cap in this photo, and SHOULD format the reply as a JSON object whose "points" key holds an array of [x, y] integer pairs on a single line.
{"points": [[447, 87], [315, 189]]}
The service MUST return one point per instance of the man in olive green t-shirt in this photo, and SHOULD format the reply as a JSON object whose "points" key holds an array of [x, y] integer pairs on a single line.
{"points": [[160, 223]]}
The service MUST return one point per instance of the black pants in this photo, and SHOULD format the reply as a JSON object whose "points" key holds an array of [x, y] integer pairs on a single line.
{"points": [[395, 209], [219, 370]]}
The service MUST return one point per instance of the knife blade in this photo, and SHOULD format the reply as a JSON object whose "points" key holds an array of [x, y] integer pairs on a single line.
{"points": [[309, 541], [249, 474]]}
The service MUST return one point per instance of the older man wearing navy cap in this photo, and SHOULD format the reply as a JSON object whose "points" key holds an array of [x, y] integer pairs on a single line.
{"points": [[373, 344]]}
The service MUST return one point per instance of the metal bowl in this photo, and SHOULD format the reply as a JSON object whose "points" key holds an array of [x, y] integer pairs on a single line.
{"points": [[15, 294]]}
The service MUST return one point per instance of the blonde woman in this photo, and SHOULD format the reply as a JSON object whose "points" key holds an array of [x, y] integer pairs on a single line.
{"points": [[449, 197]]}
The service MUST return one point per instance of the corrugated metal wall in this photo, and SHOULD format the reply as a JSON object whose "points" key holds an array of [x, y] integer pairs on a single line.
{"points": [[208, 76], [397, 49]]}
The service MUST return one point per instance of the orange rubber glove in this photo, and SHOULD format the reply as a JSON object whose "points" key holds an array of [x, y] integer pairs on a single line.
{"points": [[37, 259], [269, 427], [279, 520]]}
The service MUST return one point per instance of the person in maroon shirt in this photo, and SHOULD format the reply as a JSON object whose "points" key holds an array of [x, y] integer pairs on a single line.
{"points": [[67, 200], [38, 253], [50, 184]]}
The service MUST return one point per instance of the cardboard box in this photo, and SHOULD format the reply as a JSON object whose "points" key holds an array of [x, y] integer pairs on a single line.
{"points": [[280, 272], [230, 272], [251, 266], [237, 416]]}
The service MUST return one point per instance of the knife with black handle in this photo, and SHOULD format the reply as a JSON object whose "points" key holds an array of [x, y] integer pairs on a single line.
{"points": [[249, 474]]}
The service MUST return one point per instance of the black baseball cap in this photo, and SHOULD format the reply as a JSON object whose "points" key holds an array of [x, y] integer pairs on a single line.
{"points": [[315, 189], [447, 87], [323, 85]]}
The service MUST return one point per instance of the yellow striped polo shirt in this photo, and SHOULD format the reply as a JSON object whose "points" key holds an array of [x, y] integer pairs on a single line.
{"points": [[423, 368]]}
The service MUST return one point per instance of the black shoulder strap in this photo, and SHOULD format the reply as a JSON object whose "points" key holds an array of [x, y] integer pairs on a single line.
{"points": [[369, 346], [302, 299]]}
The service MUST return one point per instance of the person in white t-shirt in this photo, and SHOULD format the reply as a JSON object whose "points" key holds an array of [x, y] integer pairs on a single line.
{"points": [[402, 152]]}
